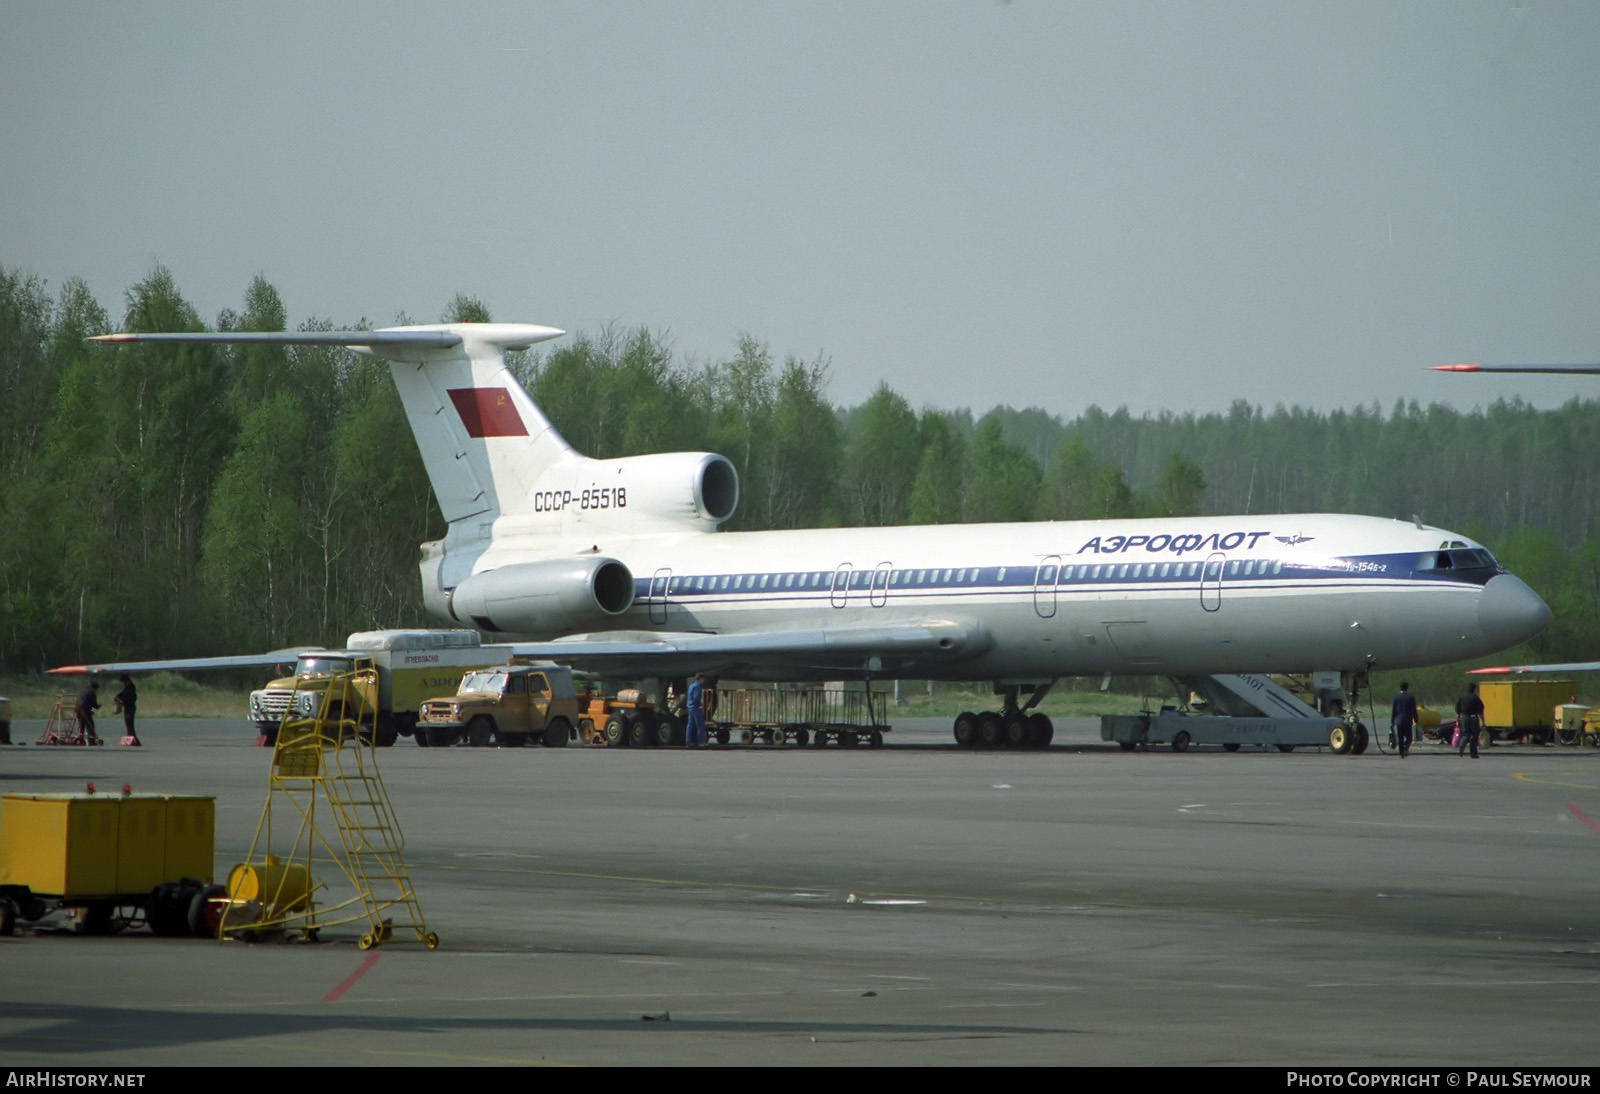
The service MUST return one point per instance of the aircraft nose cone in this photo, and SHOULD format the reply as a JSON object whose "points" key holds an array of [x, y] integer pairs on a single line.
{"points": [[1509, 612]]}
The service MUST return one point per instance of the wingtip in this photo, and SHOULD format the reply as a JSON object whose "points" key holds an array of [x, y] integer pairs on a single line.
{"points": [[1456, 368]]}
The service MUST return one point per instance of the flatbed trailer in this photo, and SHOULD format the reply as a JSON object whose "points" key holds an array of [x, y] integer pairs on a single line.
{"points": [[814, 716], [1178, 731]]}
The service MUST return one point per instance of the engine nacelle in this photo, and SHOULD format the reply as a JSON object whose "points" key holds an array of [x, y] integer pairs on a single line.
{"points": [[675, 489], [544, 599]]}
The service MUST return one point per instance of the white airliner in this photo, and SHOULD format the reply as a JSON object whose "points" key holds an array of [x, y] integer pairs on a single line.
{"points": [[617, 565]]}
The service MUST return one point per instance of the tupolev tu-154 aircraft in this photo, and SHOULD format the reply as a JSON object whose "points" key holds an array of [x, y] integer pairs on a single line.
{"points": [[617, 566]]}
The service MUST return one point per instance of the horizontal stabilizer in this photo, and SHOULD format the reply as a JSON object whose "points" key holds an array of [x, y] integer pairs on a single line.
{"points": [[1517, 670], [502, 336], [191, 664], [1570, 370]]}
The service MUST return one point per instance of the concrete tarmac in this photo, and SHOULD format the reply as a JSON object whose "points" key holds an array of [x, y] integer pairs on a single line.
{"points": [[916, 904]]}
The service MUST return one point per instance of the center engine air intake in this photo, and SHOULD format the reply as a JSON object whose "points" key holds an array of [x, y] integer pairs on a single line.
{"points": [[544, 599]]}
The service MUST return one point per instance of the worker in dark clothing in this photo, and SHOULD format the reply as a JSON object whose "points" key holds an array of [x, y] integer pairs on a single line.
{"points": [[1403, 717], [1469, 720], [84, 708], [125, 701]]}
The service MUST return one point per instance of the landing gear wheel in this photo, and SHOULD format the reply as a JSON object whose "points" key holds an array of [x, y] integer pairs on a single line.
{"points": [[1180, 741], [1044, 731], [1017, 733], [966, 729], [1363, 739], [1340, 739], [990, 728]]}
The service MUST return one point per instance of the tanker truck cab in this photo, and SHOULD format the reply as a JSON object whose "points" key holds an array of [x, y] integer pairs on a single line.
{"points": [[508, 705]]}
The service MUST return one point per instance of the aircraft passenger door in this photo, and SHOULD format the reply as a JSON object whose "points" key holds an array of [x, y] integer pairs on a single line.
{"points": [[841, 585], [658, 595], [1044, 586], [1211, 583], [878, 592]]}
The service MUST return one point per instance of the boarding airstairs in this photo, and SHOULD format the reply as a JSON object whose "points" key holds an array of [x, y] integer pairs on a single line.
{"points": [[327, 805]]}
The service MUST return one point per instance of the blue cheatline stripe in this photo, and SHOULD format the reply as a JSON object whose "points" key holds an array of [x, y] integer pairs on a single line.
{"points": [[1239, 574]]}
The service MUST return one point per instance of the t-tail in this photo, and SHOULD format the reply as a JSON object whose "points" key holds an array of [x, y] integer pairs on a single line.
{"points": [[530, 519]]}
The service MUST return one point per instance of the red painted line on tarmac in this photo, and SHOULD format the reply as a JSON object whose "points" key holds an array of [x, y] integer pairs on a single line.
{"points": [[372, 959], [1576, 812]]}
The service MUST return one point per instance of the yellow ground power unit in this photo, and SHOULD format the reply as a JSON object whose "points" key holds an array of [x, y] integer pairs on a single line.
{"points": [[78, 847]]}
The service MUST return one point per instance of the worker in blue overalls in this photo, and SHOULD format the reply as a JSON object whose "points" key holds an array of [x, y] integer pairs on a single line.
{"points": [[695, 733]]}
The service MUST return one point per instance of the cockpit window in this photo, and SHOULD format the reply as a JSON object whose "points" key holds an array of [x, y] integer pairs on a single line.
{"points": [[1471, 558]]}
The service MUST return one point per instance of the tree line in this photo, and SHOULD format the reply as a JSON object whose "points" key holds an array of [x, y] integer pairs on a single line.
{"points": [[187, 500]]}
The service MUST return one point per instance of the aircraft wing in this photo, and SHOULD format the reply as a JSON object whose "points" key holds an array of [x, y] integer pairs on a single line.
{"points": [[1567, 370], [1514, 670], [191, 664], [850, 651]]}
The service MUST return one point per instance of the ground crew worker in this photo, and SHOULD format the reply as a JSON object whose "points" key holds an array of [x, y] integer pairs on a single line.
{"points": [[695, 732], [1403, 716], [1469, 719], [84, 708], [125, 701]]}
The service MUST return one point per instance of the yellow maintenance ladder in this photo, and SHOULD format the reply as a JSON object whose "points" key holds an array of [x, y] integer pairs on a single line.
{"points": [[325, 772]]}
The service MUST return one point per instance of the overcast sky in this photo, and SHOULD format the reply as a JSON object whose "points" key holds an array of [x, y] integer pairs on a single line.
{"points": [[1163, 206]]}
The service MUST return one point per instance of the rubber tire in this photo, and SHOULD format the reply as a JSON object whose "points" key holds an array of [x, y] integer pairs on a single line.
{"points": [[1340, 739], [480, 731], [639, 735], [1016, 731], [1044, 730], [965, 729], [990, 729], [557, 733], [666, 730], [1363, 739], [1230, 746], [616, 732], [1180, 741]]}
